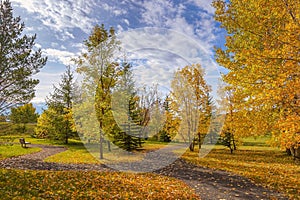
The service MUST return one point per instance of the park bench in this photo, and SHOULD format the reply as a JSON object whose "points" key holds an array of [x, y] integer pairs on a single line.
{"points": [[23, 142]]}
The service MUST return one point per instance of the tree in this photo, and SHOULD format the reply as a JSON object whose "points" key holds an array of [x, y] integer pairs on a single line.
{"points": [[3, 118], [23, 115], [126, 112], [262, 56], [151, 111], [61, 101], [190, 101], [19, 60], [171, 125], [229, 133], [100, 73], [59, 111], [52, 125]]}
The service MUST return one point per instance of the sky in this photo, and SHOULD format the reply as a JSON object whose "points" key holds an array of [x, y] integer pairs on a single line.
{"points": [[159, 36]]}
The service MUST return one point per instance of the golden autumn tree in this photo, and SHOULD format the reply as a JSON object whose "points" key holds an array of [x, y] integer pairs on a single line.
{"points": [[262, 56], [100, 73], [190, 101]]}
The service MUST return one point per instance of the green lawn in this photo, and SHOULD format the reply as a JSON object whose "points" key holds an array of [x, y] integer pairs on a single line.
{"points": [[15, 150]]}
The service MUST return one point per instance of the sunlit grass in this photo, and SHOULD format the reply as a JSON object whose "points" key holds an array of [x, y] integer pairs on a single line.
{"points": [[264, 165], [15, 150], [90, 153]]}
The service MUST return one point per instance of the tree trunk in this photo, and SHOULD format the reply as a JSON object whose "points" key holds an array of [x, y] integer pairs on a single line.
{"points": [[108, 145], [297, 153], [101, 145], [288, 151], [192, 146]]}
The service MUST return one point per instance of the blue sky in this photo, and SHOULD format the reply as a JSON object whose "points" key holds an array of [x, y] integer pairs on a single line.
{"points": [[159, 36]]}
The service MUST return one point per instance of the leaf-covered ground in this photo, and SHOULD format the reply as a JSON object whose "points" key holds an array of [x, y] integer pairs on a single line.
{"points": [[270, 168], [29, 184]]}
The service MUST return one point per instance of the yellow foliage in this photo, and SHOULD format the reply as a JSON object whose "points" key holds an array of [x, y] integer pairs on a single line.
{"points": [[262, 56]]}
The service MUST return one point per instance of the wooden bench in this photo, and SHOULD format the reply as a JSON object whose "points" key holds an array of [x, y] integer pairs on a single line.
{"points": [[23, 142]]}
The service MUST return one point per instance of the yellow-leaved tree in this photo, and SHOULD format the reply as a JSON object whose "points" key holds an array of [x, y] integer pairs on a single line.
{"points": [[191, 102], [262, 56]]}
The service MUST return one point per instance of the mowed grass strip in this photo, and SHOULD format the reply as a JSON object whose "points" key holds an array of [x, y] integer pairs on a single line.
{"points": [[78, 153], [18, 184], [16, 150], [266, 166]]}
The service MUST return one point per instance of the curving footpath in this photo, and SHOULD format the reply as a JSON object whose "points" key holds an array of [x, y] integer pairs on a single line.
{"points": [[209, 184]]}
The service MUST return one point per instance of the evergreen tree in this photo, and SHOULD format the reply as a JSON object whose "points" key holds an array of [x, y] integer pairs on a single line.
{"points": [[18, 60], [126, 112], [59, 111]]}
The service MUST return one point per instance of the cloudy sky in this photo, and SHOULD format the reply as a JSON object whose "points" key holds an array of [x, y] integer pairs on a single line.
{"points": [[159, 36]]}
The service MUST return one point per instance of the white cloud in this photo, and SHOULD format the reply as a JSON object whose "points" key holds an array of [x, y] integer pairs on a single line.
{"points": [[157, 53], [47, 80], [61, 14], [204, 4], [56, 55], [166, 14], [113, 9]]}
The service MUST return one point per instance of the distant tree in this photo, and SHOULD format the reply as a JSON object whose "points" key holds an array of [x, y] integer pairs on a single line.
{"points": [[19, 60], [171, 123], [23, 115], [59, 110], [3, 118]]}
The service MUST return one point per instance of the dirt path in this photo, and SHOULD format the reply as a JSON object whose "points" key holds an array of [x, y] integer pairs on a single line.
{"points": [[209, 184]]}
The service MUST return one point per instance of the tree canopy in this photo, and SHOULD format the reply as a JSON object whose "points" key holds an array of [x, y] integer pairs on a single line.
{"points": [[262, 56], [19, 60]]}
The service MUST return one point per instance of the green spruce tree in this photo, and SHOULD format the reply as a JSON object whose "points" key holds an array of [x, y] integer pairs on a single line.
{"points": [[19, 60]]}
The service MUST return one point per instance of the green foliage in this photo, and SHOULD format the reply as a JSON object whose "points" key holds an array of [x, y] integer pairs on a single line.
{"points": [[19, 60], [227, 139], [16, 184], [54, 126], [23, 115], [125, 138], [267, 166], [10, 129], [63, 95], [57, 122], [3, 118], [100, 73], [164, 136], [126, 111]]}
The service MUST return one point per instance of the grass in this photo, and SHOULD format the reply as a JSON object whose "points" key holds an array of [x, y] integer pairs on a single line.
{"points": [[15, 150], [17, 184], [256, 141], [266, 166], [79, 153], [76, 153]]}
